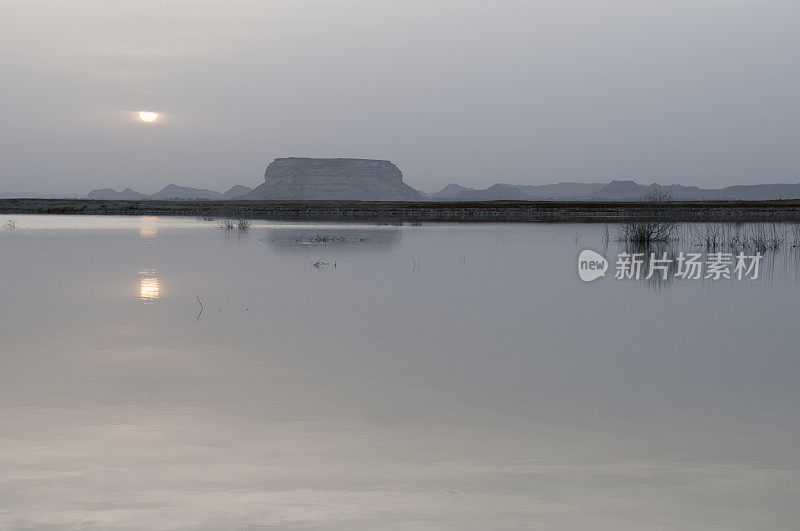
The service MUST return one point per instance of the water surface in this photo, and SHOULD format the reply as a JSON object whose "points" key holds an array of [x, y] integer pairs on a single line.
{"points": [[395, 377]]}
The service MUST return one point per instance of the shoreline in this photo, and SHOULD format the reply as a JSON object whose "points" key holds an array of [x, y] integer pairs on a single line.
{"points": [[424, 211]]}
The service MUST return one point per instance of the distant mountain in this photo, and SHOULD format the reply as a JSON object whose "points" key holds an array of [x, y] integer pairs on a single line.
{"points": [[500, 191], [170, 193], [621, 190], [562, 190], [762, 192], [497, 192], [632, 191], [512, 192], [617, 190], [109, 193], [392, 188], [33, 195], [174, 192], [236, 191], [450, 191]]}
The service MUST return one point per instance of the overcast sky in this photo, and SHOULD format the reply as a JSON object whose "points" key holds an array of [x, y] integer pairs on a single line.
{"points": [[703, 92]]}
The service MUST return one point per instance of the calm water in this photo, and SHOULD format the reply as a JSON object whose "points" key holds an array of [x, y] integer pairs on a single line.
{"points": [[383, 377]]}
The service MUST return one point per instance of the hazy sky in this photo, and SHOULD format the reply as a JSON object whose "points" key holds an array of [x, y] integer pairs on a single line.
{"points": [[700, 92]]}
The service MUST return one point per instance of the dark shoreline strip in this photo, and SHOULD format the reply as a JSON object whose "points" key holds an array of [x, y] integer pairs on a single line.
{"points": [[491, 211]]}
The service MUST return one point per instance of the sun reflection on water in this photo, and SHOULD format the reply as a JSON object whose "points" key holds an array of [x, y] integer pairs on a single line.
{"points": [[148, 287], [149, 227]]}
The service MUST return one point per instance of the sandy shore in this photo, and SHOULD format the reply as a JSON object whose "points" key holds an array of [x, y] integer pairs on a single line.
{"points": [[493, 211]]}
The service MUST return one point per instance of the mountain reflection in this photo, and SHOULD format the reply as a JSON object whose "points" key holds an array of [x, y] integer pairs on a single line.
{"points": [[340, 238]]}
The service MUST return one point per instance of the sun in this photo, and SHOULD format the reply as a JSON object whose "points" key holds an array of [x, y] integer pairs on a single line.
{"points": [[148, 116]]}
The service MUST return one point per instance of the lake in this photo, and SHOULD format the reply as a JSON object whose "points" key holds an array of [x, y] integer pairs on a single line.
{"points": [[167, 373]]}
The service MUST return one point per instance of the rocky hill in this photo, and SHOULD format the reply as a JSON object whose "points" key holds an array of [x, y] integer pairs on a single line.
{"points": [[236, 191], [176, 192], [450, 191], [496, 192]]}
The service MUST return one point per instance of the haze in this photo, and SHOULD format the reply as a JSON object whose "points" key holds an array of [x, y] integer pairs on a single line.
{"points": [[699, 92]]}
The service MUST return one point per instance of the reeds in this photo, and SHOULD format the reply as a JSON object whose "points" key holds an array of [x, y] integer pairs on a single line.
{"points": [[759, 237], [794, 234], [238, 224]]}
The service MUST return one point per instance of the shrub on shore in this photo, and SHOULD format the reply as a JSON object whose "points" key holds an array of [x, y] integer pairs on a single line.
{"points": [[240, 224], [654, 226]]}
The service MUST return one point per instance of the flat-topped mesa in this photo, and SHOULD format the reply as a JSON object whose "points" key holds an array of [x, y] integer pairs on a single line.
{"points": [[296, 178], [311, 169]]}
